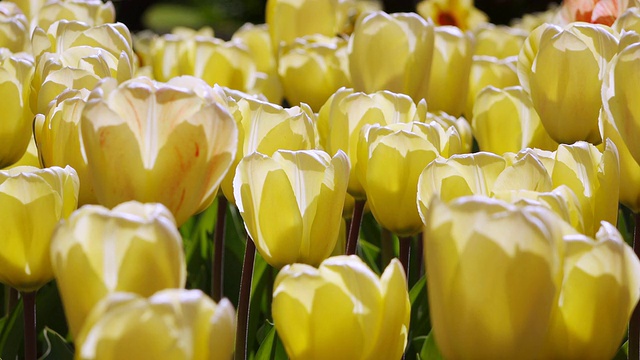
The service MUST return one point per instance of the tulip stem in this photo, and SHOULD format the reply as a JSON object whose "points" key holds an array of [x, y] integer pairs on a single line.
{"points": [[244, 300], [404, 253], [354, 229], [29, 305], [10, 299], [386, 247], [634, 323], [217, 270]]}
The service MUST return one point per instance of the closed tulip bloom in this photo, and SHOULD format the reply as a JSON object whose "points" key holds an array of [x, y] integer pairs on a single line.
{"points": [[565, 79], [170, 143], [58, 138], [504, 120], [309, 187], [599, 292], [629, 21], [173, 324], [133, 248], [313, 68], [91, 12], [489, 71], [390, 160], [266, 128], [29, 158], [33, 201], [391, 52], [16, 72], [491, 293], [459, 13], [450, 69], [460, 123], [345, 113], [498, 41], [593, 11], [342, 310], [14, 28]]}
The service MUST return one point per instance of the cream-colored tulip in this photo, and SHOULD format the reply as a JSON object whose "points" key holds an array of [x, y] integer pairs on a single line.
{"points": [[91, 12], [14, 28], [309, 188], [391, 52], [172, 324], [342, 310], [498, 41], [504, 120], [628, 21], [489, 71], [450, 69], [170, 143], [29, 158], [460, 123], [133, 248]]}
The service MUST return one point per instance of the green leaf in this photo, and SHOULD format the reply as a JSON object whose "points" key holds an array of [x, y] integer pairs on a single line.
{"points": [[271, 347], [622, 353], [430, 349], [164, 17], [420, 320], [12, 334], [57, 347]]}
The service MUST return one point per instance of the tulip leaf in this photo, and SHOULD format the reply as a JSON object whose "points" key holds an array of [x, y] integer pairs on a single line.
{"points": [[164, 17], [622, 353], [430, 349], [57, 347], [271, 347], [261, 296], [420, 321], [11, 333]]}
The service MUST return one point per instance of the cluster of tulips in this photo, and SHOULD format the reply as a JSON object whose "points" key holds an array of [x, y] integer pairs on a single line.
{"points": [[492, 159]]}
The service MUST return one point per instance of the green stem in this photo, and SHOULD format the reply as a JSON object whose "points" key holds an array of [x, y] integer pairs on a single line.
{"points": [[404, 253], [634, 323], [217, 270], [354, 229], [30, 345], [244, 300]]}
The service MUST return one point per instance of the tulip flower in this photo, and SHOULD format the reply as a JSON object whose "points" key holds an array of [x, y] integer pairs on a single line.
{"points": [[346, 112], [133, 248], [491, 294], [504, 121], [91, 12], [14, 28], [341, 310], [391, 52], [593, 11], [599, 291], [489, 71], [15, 128], [450, 69], [153, 142], [266, 128], [498, 41], [629, 21], [168, 54], [460, 123], [32, 202], [323, 64], [172, 324], [29, 158], [460, 13], [565, 76], [309, 187], [390, 160]]}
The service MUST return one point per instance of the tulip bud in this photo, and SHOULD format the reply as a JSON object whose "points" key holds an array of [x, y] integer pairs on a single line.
{"points": [[172, 324], [133, 248], [489, 71], [565, 79], [32, 201], [372, 313], [504, 120], [459, 13], [450, 69], [154, 142], [29, 158], [390, 160], [460, 123], [406, 68], [322, 63], [309, 187], [15, 128], [498, 41], [14, 28], [491, 293], [346, 112]]}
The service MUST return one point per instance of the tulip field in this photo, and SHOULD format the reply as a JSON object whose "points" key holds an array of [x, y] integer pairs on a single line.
{"points": [[338, 182]]}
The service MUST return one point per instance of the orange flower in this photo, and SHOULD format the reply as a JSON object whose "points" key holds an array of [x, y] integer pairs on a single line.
{"points": [[593, 11]]}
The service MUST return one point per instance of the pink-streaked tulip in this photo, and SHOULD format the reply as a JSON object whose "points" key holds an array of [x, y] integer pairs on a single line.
{"points": [[309, 187], [342, 310], [603, 12], [170, 143]]}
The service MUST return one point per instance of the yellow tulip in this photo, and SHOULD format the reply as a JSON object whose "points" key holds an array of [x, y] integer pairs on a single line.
{"points": [[346, 112], [309, 187], [266, 128], [30, 157], [57, 135], [14, 28], [390, 160], [450, 69], [498, 41], [312, 68], [460, 13], [489, 71], [491, 293], [460, 123], [15, 89], [599, 291], [33, 200], [565, 76], [504, 120], [170, 143], [341, 310], [173, 324], [133, 248], [391, 52], [91, 12], [168, 55], [629, 21]]}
